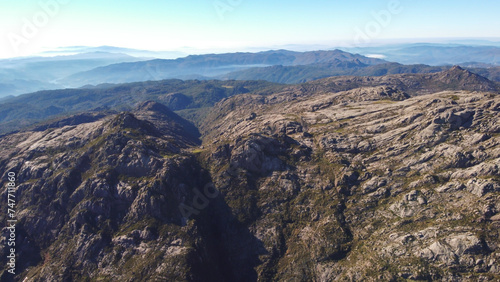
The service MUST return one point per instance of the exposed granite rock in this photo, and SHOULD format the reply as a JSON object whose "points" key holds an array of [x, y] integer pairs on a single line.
{"points": [[418, 167], [378, 183]]}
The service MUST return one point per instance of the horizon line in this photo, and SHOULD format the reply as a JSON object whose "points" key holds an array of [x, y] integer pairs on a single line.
{"points": [[185, 50]]}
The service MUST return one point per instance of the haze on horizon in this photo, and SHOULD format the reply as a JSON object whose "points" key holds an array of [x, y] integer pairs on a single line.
{"points": [[30, 27]]}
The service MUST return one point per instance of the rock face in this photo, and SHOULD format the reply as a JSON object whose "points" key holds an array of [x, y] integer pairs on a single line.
{"points": [[102, 195], [374, 183], [412, 182]]}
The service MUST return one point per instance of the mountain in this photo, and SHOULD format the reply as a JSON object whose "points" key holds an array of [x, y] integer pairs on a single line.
{"points": [[387, 178], [105, 66], [367, 184], [192, 98], [206, 66], [492, 73], [136, 149], [26, 75], [112, 49], [455, 78], [91, 66], [303, 73]]}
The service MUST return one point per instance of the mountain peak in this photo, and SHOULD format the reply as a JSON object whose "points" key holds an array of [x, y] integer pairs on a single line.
{"points": [[167, 121], [466, 80], [457, 71], [456, 68], [154, 107]]}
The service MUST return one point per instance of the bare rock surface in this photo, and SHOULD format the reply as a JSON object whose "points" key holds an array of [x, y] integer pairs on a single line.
{"points": [[418, 167], [343, 179]]}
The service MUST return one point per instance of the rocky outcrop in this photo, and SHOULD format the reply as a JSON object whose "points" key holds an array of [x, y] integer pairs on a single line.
{"points": [[410, 181], [101, 200], [378, 182]]}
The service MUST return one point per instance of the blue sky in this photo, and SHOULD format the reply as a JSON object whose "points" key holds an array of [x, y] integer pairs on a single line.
{"points": [[27, 27]]}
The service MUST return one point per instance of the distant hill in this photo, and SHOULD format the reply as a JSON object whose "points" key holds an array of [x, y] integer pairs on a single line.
{"points": [[455, 78], [492, 73], [304, 73], [103, 65], [208, 66], [25, 75], [113, 49]]}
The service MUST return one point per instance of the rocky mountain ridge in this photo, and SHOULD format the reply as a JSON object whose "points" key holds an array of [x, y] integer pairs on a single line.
{"points": [[342, 179]]}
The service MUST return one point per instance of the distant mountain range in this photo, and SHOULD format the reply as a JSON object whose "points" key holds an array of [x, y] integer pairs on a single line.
{"points": [[24, 75], [92, 66], [211, 65], [347, 178], [25, 110], [112, 49]]}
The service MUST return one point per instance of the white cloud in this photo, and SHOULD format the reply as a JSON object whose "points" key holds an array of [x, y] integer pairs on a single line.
{"points": [[376, 56]]}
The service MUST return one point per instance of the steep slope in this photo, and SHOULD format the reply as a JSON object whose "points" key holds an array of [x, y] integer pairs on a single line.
{"points": [[364, 185], [168, 122], [492, 73], [110, 199], [341, 179]]}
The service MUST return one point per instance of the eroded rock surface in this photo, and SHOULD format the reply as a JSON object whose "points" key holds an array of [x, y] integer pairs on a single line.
{"points": [[375, 183]]}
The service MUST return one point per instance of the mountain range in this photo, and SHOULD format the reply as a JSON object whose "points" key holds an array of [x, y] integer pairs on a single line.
{"points": [[349, 178], [90, 66], [25, 75], [193, 98], [201, 66]]}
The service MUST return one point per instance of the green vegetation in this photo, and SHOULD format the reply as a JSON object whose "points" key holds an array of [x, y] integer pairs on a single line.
{"points": [[190, 96], [303, 73]]}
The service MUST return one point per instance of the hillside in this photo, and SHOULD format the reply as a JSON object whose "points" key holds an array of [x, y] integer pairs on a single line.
{"points": [[364, 185], [304, 73], [192, 99], [492, 73], [341, 179], [26, 110]]}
